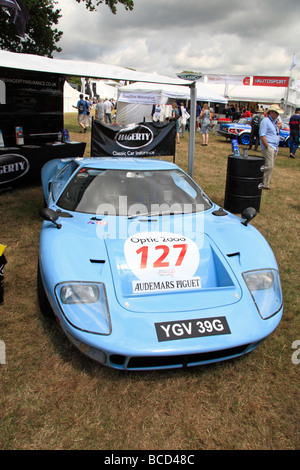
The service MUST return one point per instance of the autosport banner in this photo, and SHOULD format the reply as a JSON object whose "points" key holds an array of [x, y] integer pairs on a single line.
{"points": [[271, 81], [145, 139]]}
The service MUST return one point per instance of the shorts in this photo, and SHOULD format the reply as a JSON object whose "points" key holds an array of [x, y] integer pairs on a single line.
{"points": [[81, 118]]}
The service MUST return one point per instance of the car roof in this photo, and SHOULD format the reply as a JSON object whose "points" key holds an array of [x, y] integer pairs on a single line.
{"points": [[118, 163]]}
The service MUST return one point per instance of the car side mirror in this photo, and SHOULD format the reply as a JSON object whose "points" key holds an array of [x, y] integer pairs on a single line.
{"points": [[248, 214], [51, 215]]}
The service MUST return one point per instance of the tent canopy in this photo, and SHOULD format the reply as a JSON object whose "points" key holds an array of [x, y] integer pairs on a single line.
{"points": [[80, 68], [257, 94], [42, 64], [203, 92]]}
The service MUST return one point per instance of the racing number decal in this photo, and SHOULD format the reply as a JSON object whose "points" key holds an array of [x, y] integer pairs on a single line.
{"points": [[160, 262]]}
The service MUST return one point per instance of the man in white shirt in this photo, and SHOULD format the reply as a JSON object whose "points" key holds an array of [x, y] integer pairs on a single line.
{"points": [[269, 141], [107, 110], [99, 111]]}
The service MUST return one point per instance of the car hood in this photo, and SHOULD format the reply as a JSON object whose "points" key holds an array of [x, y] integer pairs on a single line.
{"points": [[173, 270], [159, 268]]}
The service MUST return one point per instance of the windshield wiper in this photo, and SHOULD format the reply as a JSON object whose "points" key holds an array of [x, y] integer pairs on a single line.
{"points": [[153, 214]]}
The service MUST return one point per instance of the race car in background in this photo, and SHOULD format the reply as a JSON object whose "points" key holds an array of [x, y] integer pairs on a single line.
{"points": [[241, 130]]}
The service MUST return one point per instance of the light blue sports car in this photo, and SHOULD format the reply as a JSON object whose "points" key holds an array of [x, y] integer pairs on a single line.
{"points": [[143, 271]]}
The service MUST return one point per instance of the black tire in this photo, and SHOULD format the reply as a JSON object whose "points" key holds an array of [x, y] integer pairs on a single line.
{"points": [[44, 304]]}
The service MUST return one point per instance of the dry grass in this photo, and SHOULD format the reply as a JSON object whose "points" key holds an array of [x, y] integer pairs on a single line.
{"points": [[52, 397]]}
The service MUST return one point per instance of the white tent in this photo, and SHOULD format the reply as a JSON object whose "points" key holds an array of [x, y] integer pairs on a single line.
{"points": [[260, 94], [80, 68], [135, 101], [63, 67], [71, 97], [103, 90]]}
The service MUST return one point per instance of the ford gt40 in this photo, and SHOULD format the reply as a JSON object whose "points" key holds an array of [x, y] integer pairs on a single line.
{"points": [[143, 271]]}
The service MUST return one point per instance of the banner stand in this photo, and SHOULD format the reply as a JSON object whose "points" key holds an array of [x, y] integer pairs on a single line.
{"points": [[143, 139]]}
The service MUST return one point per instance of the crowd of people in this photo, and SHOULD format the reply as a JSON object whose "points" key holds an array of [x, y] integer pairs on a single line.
{"points": [[265, 125], [103, 111]]}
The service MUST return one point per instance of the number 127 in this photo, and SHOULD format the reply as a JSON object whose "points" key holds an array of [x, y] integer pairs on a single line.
{"points": [[161, 261]]}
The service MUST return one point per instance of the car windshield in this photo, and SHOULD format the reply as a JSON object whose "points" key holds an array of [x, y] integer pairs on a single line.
{"points": [[130, 193]]}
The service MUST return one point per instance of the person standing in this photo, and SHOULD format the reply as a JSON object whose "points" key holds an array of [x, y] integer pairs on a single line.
{"points": [[99, 111], [198, 111], [294, 132], [175, 117], [255, 123], [88, 112], [107, 110], [205, 126], [183, 120], [81, 107], [269, 141]]}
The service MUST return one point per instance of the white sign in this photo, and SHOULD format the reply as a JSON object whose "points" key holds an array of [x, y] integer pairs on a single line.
{"points": [[142, 98], [162, 261], [228, 79]]}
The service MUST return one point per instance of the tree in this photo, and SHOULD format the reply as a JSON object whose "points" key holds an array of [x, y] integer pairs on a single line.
{"points": [[40, 38], [112, 4]]}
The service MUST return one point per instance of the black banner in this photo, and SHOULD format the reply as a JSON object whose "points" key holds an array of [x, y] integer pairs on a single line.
{"points": [[145, 139]]}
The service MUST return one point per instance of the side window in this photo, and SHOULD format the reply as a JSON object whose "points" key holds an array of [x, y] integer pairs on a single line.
{"points": [[180, 181], [59, 182]]}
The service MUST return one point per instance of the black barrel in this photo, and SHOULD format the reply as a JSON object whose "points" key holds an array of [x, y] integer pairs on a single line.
{"points": [[243, 183]]}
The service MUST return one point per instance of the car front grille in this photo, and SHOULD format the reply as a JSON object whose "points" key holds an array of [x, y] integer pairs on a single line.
{"points": [[177, 361]]}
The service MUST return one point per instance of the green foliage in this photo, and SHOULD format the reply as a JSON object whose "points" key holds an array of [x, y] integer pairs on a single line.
{"points": [[41, 34], [112, 4]]}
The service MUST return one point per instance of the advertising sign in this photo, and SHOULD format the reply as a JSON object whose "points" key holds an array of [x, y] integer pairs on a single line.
{"points": [[271, 81], [228, 79], [145, 139]]}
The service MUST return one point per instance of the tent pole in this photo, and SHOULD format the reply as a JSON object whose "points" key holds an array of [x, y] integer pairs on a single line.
{"points": [[193, 98]]}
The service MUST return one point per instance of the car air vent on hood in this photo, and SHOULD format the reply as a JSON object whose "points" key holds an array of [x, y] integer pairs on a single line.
{"points": [[99, 261]]}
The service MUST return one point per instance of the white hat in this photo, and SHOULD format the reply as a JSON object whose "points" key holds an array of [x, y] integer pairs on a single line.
{"points": [[276, 109]]}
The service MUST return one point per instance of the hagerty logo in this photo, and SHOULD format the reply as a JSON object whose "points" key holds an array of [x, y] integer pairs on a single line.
{"points": [[134, 137], [12, 167]]}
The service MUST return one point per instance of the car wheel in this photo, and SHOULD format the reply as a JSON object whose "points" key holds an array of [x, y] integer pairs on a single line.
{"points": [[244, 139], [44, 304]]}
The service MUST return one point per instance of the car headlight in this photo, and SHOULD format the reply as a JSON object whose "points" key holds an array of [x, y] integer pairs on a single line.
{"points": [[265, 289], [84, 305], [79, 293]]}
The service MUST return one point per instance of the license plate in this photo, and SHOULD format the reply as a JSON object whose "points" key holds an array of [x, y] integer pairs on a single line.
{"points": [[196, 328]]}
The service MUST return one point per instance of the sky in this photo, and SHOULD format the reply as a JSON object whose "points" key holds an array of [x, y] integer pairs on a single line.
{"points": [[231, 37]]}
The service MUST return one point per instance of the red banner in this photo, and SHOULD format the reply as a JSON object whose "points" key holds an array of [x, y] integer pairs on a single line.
{"points": [[271, 81]]}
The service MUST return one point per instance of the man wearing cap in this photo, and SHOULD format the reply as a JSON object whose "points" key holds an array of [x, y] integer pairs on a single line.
{"points": [[269, 141], [294, 132]]}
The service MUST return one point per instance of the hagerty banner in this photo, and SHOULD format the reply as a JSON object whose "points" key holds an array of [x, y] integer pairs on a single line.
{"points": [[144, 139]]}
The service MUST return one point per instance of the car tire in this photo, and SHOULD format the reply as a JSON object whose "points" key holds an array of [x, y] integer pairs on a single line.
{"points": [[244, 139], [44, 303]]}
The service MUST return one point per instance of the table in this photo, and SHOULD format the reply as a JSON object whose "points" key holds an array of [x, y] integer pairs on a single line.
{"points": [[23, 164]]}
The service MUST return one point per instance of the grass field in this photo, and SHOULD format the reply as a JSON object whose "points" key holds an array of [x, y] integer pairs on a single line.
{"points": [[52, 397]]}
